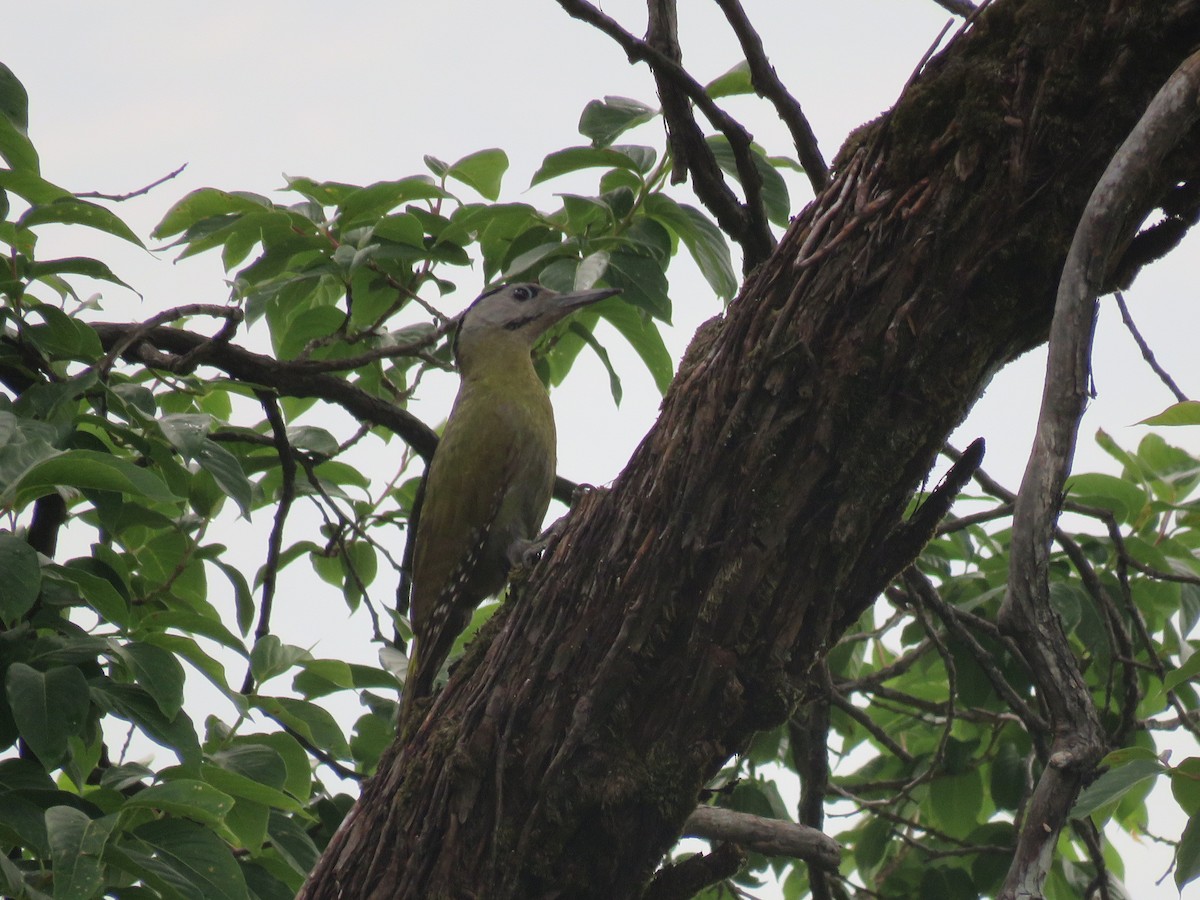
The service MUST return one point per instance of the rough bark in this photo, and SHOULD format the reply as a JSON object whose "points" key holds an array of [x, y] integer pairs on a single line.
{"points": [[689, 606]]}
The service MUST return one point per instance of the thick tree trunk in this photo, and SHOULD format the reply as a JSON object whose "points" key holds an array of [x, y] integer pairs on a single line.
{"points": [[687, 607]]}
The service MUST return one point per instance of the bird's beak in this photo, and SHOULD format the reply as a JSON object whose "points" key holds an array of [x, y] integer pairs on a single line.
{"points": [[576, 299]]}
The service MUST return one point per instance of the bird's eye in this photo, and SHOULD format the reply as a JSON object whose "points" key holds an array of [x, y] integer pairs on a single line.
{"points": [[523, 293]]}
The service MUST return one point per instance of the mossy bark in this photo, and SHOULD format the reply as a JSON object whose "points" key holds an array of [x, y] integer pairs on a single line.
{"points": [[689, 606]]}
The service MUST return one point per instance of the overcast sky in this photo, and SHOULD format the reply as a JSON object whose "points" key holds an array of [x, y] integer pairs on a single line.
{"points": [[123, 92]]}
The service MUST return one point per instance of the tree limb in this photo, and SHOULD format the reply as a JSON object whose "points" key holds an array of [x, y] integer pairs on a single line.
{"points": [[1130, 181], [161, 347], [770, 837], [769, 86], [745, 223]]}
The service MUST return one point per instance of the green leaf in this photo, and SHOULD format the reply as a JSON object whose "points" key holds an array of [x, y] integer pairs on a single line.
{"points": [[1125, 499], [49, 707], [133, 704], [76, 844], [1187, 854], [65, 336], [255, 761], [186, 431], [73, 211], [75, 265], [1186, 672], [775, 198], [88, 469], [228, 473], [1007, 777], [734, 82], [642, 282], [1185, 785], [15, 145], [603, 121], [27, 184], [185, 797], [244, 787], [271, 657], [1114, 784], [530, 259], [22, 579], [13, 883], [197, 856], [1186, 412], [293, 844], [299, 778], [207, 203], [957, 801], [572, 159], [159, 672], [312, 722], [482, 171], [614, 380], [14, 99], [590, 270], [372, 201], [704, 241], [98, 592], [643, 336], [247, 821]]}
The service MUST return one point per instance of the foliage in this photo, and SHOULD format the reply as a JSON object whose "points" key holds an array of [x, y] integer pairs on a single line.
{"points": [[146, 453], [932, 723]]}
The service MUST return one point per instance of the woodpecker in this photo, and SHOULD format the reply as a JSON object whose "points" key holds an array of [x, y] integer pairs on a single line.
{"points": [[488, 485]]}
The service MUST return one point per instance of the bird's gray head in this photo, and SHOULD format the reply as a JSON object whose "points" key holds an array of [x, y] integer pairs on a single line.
{"points": [[524, 310]]}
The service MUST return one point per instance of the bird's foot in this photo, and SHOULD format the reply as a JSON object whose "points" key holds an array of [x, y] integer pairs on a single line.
{"points": [[525, 555]]}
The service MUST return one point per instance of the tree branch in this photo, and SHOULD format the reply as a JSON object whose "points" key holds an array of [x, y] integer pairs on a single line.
{"points": [[1147, 353], [1127, 185], [163, 348], [744, 223], [769, 86], [770, 837], [687, 878], [287, 493]]}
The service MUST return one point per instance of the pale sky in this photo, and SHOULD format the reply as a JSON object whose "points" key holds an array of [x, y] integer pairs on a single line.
{"points": [[123, 92]]}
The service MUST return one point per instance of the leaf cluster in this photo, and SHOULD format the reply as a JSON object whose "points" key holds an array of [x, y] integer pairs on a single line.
{"points": [[124, 461]]}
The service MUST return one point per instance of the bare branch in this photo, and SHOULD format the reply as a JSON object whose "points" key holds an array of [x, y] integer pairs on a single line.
{"points": [[1126, 185], [119, 198], [287, 493], [771, 837], [770, 87], [1147, 353], [744, 223]]}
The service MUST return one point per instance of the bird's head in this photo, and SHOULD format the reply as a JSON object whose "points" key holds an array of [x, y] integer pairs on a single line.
{"points": [[518, 312]]}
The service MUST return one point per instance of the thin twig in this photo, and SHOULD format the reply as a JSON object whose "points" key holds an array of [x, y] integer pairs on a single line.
{"points": [[842, 702], [745, 223], [287, 493], [1147, 353], [769, 86], [119, 198]]}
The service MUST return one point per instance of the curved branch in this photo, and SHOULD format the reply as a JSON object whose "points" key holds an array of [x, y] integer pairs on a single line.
{"points": [[1125, 188]]}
